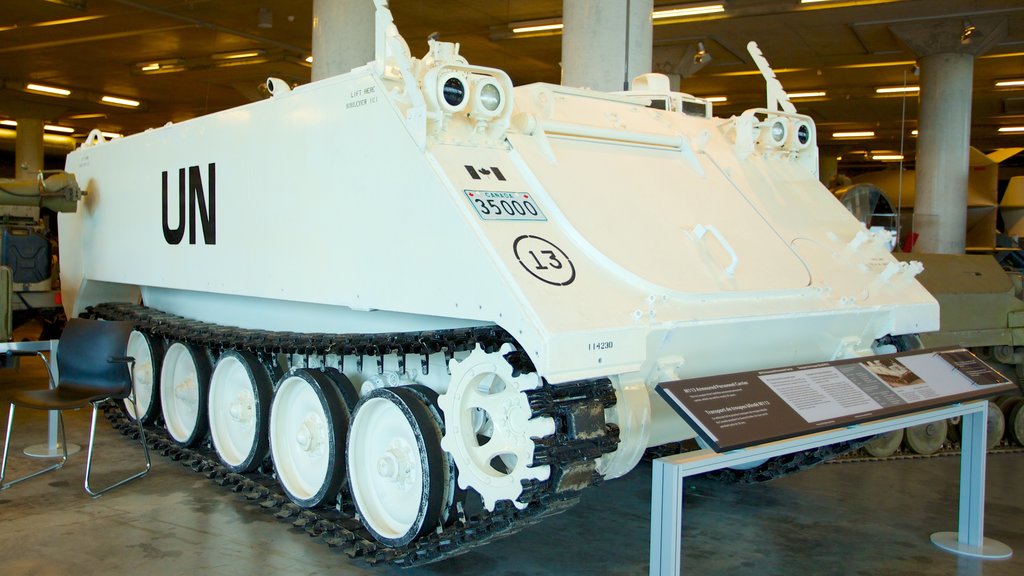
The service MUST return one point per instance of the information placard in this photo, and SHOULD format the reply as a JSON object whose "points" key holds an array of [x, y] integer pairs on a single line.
{"points": [[736, 410]]}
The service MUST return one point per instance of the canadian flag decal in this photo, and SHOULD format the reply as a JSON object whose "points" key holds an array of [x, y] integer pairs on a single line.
{"points": [[485, 173]]}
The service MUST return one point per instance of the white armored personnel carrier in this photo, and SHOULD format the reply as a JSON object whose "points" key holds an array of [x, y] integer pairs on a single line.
{"points": [[439, 304]]}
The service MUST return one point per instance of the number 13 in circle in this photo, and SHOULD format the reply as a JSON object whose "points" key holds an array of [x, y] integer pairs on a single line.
{"points": [[545, 261]]}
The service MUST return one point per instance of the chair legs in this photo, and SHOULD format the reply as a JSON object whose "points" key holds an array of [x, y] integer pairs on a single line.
{"points": [[7, 446], [88, 458], [64, 458]]}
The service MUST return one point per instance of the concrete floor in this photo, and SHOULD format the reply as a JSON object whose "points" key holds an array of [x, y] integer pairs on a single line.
{"points": [[856, 519]]}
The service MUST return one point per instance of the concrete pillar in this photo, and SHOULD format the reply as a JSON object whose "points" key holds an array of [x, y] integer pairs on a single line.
{"points": [[940, 209], [595, 50], [28, 148], [343, 36], [946, 50]]}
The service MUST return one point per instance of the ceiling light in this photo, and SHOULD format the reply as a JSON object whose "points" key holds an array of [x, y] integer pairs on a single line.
{"points": [[47, 89], [87, 116], [913, 132], [967, 34], [309, 59], [817, 94], [264, 18], [1011, 129], [684, 10], [897, 89], [716, 98], [1003, 55], [536, 26], [61, 129], [1009, 83], [758, 72], [237, 55], [65, 21], [887, 157], [6, 28], [120, 101], [8, 123], [878, 64], [861, 134], [813, 1], [159, 66], [111, 135]]}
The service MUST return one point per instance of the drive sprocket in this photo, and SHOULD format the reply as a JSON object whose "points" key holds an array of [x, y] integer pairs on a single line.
{"points": [[489, 426]]}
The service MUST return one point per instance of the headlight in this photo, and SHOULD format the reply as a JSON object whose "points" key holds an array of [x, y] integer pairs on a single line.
{"points": [[452, 92], [488, 97], [778, 132], [802, 135]]}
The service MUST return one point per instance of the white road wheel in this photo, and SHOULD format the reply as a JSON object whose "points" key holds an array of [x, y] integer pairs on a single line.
{"points": [[398, 473], [308, 426], [185, 380], [489, 428], [148, 352], [240, 393]]}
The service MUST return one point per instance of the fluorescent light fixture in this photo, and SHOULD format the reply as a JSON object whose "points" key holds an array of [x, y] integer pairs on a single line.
{"points": [[877, 64], [309, 59], [684, 10], [65, 21], [1011, 129], [665, 13], [151, 67], [897, 89], [87, 116], [237, 55], [913, 132], [48, 89], [536, 26], [716, 98], [8, 122], [758, 72], [120, 101], [112, 135], [887, 157], [1009, 83], [816, 94], [61, 129], [861, 134]]}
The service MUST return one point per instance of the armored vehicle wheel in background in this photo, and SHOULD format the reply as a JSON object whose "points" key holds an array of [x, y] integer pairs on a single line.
{"points": [[398, 472], [884, 445], [184, 391], [996, 425], [308, 426], [148, 353], [954, 429], [926, 438], [240, 394], [1015, 424]]}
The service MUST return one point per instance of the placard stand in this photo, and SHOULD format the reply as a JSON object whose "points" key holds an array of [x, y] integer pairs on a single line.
{"points": [[669, 473]]}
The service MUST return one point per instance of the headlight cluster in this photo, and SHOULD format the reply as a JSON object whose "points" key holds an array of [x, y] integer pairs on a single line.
{"points": [[780, 132], [458, 90]]}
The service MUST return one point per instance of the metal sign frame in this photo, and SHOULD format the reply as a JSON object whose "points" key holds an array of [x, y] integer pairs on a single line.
{"points": [[670, 473]]}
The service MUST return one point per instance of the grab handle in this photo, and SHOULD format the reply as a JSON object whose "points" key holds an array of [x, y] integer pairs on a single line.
{"points": [[700, 230]]}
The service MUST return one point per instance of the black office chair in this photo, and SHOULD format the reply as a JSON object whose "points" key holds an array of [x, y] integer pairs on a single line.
{"points": [[91, 367]]}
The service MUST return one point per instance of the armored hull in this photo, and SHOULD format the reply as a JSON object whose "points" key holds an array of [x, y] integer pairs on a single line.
{"points": [[418, 287]]}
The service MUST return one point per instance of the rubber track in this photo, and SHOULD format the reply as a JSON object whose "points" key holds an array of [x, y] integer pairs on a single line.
{"points": [[337, 526]]}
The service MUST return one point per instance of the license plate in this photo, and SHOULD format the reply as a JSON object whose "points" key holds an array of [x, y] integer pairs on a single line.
{"points": [[505, 205]]}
